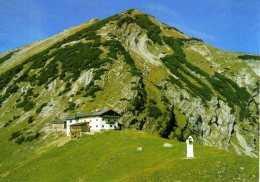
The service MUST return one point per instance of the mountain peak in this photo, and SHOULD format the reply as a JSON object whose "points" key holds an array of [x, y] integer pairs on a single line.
{"points": [[133, 11], [156, 77]]}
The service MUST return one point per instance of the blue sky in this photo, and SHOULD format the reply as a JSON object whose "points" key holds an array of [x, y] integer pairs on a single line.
{"points": [[226, 24]]}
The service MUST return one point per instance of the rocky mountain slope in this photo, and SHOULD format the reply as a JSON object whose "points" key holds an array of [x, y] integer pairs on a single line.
{"points": [[159, 79]]}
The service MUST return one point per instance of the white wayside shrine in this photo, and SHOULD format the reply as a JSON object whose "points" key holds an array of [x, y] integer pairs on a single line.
{"points": [[189, 143]]}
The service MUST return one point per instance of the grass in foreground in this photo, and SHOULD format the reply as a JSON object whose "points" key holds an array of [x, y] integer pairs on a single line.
{"points": [[113, 156]]}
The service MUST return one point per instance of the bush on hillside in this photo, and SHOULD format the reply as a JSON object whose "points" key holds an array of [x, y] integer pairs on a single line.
{"points": [[8, 123], [7, 76], [91, 90], [15, 135], [30, 120], [115, 48], [126, 20], [27, 105], [249, 57], [41, 107], [153, 30], [7, 56], [32, 137], [71, 106], [153, 110], [20, 140]]}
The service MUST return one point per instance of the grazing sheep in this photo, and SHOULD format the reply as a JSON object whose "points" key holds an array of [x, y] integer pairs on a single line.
{"points": [[139, 149]]}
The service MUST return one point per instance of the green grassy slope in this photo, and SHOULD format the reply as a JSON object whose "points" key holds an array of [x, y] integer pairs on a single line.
{"points": [[113, 156]]}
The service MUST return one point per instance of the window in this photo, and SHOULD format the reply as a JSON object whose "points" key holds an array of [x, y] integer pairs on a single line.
{"points": [[96, 119], [111, 125], [102, 126], [96, 126]]}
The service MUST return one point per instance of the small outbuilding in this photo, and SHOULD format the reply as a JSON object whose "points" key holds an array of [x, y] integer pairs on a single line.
{"points": [[59, 124]]}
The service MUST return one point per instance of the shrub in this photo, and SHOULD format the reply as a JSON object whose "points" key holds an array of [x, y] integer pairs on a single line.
{"points": [[15, 135], [30, 120], [92, 89], [7, 56], [70, 107], [248, 57], [153, 110], [168, 125], [8, 123], [116, 48], [27, 105], [7, 76], [123, 20], [98, 73], [41, 107], [15, 117], [32, 137], [137, 103], [12, 89], [153, 30], [20, 140], [48, 74]]}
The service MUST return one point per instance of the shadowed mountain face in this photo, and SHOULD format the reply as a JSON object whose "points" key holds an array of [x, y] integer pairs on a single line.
{"points": [[159, 79]]}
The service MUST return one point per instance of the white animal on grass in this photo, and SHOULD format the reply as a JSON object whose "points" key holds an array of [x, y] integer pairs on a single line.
{"points": [[139, 149], [167, 145]]}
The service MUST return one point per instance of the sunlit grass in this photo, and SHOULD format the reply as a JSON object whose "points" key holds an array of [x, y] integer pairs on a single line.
{"points": [[113, 156]]}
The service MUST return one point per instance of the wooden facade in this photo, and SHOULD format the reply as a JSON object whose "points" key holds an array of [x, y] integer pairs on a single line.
{"points": [[79, 128], [59, 124]]}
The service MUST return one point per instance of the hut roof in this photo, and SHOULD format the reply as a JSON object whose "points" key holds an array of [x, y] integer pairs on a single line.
{"points": [[104, 112]]}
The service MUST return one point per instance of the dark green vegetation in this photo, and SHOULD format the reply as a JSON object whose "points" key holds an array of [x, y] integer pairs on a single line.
{"points": [[232, 92], [180, 67], [5, 79], [7, 56], [153, 30], [70, 107], [153, 110], [27, 105], [41, 107], [249, 57], [115, 48], [113, 156], [19, 137], [145, 23], [73, 59]]}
